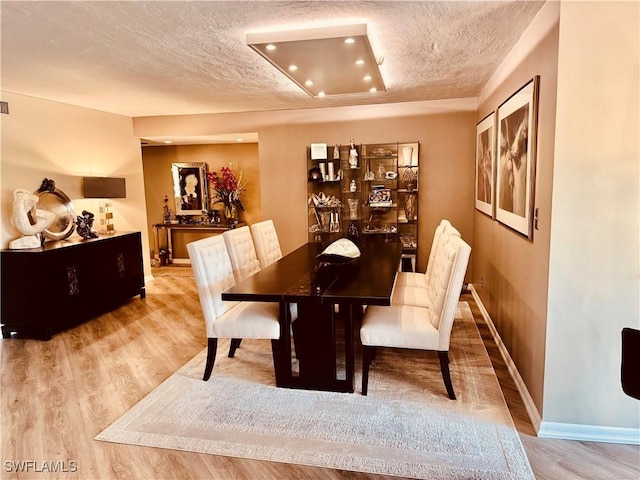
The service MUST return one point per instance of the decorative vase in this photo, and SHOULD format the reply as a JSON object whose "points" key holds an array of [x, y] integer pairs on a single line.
{"points": [[407, 156], [325, 221], [230, 213], [409, 178], [410, 207], [353, 208]]}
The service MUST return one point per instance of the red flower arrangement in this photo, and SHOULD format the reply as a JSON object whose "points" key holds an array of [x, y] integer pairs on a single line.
{"points": [[226, 188]]}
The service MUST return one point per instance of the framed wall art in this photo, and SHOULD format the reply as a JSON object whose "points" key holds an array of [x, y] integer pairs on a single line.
{"points": [[485, 164], [190, 188], [515, 176]]}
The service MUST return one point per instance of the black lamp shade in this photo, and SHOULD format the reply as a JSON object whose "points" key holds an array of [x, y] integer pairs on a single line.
{"points": [[104, 187]]}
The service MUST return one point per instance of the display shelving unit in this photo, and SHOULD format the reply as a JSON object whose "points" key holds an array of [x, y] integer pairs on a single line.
{"points": [[373, 199]]}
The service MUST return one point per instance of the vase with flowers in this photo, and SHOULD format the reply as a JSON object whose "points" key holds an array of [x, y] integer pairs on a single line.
{"points": [[227, 188]]}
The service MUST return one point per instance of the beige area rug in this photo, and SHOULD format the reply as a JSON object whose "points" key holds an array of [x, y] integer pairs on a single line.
{"points": [[406, 426]]}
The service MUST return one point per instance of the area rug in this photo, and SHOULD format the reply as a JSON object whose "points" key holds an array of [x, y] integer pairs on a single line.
{"points": [[405, 427]]}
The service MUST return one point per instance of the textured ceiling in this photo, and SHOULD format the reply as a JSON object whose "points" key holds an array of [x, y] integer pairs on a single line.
{"points": [[139, 58]]}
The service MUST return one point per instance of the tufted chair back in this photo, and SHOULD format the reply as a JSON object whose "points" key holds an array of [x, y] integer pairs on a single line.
{"points": [[242, 252], [445, 285], [443, 231], [416, 288], [213, 274], [265, 239]]}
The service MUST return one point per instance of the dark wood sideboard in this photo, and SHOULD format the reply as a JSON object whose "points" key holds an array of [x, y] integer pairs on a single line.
{"points": [[53, 288]]}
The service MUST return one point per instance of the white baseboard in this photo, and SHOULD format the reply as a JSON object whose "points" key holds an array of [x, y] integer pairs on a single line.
{"points": [[532, 411], [148, 278], [589, 433], [181, 261], [562, 431]]}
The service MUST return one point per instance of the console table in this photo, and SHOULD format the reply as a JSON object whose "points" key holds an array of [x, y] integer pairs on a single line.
{"points": [[49, 289], [214, 228]]}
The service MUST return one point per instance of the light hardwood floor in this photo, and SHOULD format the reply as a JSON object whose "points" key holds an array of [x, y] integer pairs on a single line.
{"points": [[56, 396]]}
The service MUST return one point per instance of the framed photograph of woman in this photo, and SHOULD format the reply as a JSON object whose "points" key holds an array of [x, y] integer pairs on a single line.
{"points": [[516, 168], [485, 163], [190, 188]]}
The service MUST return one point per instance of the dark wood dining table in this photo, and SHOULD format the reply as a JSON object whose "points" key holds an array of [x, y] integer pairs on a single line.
{"points": [[323, 334]]}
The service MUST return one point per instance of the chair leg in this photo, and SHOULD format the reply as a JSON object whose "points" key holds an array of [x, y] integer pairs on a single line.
{"points": [[367, 353], [446, 376], [235, 343], [212, 348]]}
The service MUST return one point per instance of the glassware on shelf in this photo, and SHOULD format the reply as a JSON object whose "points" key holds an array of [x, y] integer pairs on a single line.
{"points": [[368, 176], [334, 225], [353, 208], [407, 156], [409, 178], [330, 172], [325, 221], [410, 206]]}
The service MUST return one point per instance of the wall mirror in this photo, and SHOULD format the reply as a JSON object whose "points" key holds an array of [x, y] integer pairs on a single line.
{"points": [[190, 188]]}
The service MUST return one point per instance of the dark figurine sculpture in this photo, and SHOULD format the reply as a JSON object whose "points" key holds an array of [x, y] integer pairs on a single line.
{"points": [[84, 224], [48, 185]]}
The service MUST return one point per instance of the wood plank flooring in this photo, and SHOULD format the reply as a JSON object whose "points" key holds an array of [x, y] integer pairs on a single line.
{"points": [[56, 396]]}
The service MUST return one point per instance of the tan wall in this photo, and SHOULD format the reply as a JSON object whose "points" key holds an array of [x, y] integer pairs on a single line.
{"points": [[446, 144], [44, 139], [594, 273], [511, 272], [445, 130], [158, 182]]}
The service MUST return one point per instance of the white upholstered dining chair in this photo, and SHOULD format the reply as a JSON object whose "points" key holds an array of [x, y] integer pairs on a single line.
{"points": [[265, 240], [426, 327], [242, 252], [224, 319]]}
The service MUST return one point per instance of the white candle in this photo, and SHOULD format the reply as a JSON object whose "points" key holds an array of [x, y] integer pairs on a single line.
{"points": [[323, 172], [331, 176]]}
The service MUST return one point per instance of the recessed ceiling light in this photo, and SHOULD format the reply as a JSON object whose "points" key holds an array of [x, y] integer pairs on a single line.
{"points": [[293, 68], [271, 46], [373, 89], [239, 139], [321, 94], [349, 40], [359, 62], [308, 83], [367, 78], [168, 141]]}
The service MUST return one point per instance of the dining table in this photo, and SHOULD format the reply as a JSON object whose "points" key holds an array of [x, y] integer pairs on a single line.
{"points": [[316, 350]]}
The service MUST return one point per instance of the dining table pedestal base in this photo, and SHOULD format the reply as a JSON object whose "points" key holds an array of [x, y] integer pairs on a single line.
{"points": [[323, 347]]}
